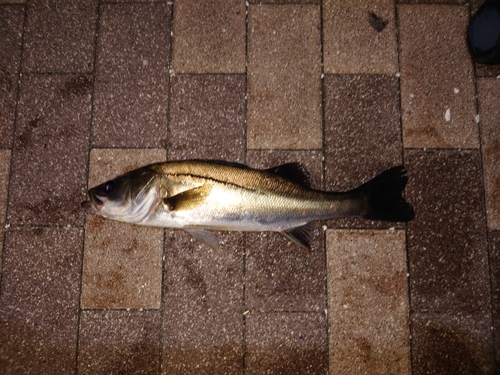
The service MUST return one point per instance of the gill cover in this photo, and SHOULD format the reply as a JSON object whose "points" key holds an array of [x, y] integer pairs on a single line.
{"points": [[129, 197]]}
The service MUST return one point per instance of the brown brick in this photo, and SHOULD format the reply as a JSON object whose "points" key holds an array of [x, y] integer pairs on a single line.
{"points": [[60, 36], [360, 38], [437, 89], [209, 36], [489, 110], [284, 77], [122, 262], [368, 302]]}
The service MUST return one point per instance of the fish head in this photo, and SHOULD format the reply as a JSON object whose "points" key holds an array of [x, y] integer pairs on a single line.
{"points": [[130, 197]]}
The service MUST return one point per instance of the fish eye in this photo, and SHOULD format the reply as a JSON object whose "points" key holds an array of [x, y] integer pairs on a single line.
{"points": [[108, 186]]}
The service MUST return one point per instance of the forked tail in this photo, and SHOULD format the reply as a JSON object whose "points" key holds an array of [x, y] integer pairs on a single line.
{"points": [[383, 197]]}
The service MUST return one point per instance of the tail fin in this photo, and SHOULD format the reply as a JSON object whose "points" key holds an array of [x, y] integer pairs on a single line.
{"points": [[383, 197]]}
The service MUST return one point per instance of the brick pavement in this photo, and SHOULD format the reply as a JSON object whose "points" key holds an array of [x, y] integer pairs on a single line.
{"points": [[92, 88]]}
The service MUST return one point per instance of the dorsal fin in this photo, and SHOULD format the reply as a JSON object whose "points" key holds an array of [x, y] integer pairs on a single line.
{"points": [[294, 172]]}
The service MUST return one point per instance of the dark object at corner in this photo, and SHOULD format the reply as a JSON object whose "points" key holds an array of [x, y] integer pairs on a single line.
{"points": [[483, 34]]}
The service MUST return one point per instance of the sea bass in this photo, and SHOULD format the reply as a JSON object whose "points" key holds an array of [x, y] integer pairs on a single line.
{"points": [[197, 195]]}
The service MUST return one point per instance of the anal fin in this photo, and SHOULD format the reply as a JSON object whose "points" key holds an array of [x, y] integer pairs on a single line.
{"points": [[300, 235]]}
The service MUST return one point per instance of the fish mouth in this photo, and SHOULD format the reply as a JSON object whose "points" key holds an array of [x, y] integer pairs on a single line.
{"points": [[94, 204]]}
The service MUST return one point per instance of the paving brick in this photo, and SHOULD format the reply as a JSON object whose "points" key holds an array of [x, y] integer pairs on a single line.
{"points": [[208, 342], [60, 36], [39, 300], [494, 251], [483, 70], [368, 308], [447, 239], [209, 36], [284, 2], [437, 89], [207, 117], [11, 32], [360, 38], [122, 262], [131, 93], [197, 276], [362, 128], [281, 275], [452, 343], [286, 343], [489, 110], [284, 77], [50, 150], [202, 305], [362, 133], [448, 2], [123, 342]]}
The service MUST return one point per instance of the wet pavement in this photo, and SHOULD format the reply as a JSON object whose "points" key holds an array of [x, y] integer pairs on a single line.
{"points": [[91, 89]]}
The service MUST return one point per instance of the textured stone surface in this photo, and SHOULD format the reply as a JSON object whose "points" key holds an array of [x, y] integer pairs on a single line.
{"points": [[50, 150], [368, 312], [202, 305], [362, 133], [11, 27], [131, 94], [122, 262], [122, 342], [494, 250], [437, 89], [207, 111], [209, 36], [92, 88], [284, 71], [4, 183], [359, 38], [489, 109], [447, 239], [39, 300], [286, 343], [282, 275], [362, 128], [452, 343], [60, 36]]}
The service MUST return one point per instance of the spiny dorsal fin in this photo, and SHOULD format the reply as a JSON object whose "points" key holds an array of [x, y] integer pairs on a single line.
{"points": [[294, 172], [300, 235], [187, 199]]}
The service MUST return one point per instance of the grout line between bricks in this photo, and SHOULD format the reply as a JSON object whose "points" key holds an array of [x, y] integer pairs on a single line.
{"points": [[403, 151], [245, 255], [485, 203], [12, 144], [322, 184], [168, 119], [89, 148]]}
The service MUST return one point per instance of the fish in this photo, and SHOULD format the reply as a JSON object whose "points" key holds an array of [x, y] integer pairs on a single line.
{"points": [[198, 196]]}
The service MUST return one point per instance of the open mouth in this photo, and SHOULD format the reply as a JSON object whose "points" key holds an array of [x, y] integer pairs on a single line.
{"points": [[94, 203]]}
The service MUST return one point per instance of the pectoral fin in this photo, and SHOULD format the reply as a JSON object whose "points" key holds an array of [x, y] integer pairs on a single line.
{"points": [[208, 238], [188, 199], [300, 235]]}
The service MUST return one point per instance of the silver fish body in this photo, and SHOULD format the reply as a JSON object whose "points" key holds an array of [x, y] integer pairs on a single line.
{"points": [[197, 195]]}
